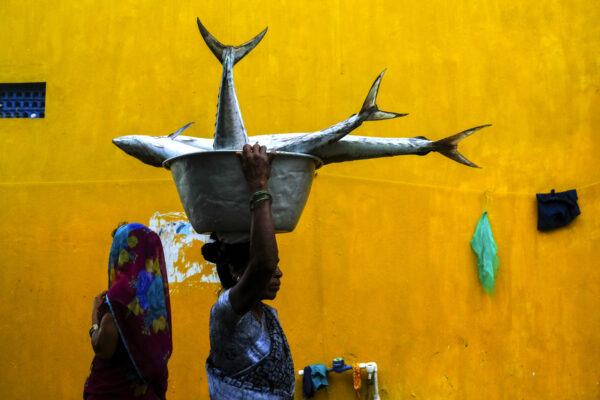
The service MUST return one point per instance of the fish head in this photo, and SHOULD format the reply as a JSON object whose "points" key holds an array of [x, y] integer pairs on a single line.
{"points": [[147, 149]]}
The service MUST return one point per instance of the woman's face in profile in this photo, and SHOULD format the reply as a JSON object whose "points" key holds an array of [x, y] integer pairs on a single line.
{"points": [[273, 286]]}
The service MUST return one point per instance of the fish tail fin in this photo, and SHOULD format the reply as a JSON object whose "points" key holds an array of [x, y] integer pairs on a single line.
{"points": [[448, 146], [218, 48], [369, 110], [178, 131]]}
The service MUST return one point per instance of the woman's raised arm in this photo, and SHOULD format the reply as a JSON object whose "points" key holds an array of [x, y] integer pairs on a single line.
{"points": [[256, 164]]}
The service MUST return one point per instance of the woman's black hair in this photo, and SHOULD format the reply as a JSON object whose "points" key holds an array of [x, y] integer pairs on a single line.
{"points": [[223, 254], [114, 232]]}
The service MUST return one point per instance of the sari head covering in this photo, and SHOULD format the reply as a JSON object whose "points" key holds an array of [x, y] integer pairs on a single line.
{"points": [[138, 299]]}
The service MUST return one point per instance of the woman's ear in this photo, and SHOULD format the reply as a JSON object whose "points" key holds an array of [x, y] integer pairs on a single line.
{"points": [[234, 274]]}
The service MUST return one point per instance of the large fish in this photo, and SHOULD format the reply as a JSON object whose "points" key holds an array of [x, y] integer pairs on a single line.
{"points": [[333, 144]]}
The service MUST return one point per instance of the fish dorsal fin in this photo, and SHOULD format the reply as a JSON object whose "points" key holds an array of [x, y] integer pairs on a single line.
{"points": [[178, 131]]}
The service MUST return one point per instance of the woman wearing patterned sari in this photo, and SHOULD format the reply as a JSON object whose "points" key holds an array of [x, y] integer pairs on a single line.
{"points": [[249, 356], [131, 322]]}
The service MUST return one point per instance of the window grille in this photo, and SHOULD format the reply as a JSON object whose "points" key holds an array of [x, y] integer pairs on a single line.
{"points": [[22, 100]]}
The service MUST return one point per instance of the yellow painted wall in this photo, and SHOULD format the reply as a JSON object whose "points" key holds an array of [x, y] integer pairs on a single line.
{"points": [[380, 267]]}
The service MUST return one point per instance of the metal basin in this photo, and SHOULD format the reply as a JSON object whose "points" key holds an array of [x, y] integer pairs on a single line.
{"points": [[215, 196]]}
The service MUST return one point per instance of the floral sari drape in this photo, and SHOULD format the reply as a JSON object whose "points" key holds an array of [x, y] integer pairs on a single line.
{"points": [[138, 299]]}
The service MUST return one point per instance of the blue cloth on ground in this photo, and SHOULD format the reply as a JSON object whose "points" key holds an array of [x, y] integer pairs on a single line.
{"points": [[556, 209], [318, 375], [308, 389], [487, 262]]}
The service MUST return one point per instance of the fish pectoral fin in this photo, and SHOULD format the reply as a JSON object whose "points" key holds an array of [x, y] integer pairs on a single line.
{"points": [[218, 48], [178, 131], [448, 146], [369, 110]]}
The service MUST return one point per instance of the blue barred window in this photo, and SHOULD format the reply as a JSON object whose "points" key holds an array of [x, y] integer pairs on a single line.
{"points": [[23, 100]]}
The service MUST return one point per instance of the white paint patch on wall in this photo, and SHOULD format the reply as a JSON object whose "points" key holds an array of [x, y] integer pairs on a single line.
{"points": [[177, 236]]}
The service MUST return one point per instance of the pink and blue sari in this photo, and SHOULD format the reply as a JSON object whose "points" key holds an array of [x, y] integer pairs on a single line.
{"points": [[138, 299]]}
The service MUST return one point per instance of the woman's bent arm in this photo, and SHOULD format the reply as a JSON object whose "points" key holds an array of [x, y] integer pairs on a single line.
{"points": [[106, 338]]}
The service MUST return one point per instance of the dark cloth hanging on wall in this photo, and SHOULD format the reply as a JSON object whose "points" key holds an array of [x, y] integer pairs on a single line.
{"points": [[556, 209]]}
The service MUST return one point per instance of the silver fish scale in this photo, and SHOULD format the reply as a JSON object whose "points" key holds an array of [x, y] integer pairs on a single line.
{"points": [[230, 133]]}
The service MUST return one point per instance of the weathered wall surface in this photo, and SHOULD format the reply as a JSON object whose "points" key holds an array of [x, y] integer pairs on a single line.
{"points": [[380, 267]]}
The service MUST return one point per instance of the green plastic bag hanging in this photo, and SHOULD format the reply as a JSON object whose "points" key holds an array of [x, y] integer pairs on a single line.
{"points": [[483, 244]]}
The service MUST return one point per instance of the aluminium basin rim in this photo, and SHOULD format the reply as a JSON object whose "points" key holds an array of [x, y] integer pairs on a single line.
{"points": [[167, 163]]}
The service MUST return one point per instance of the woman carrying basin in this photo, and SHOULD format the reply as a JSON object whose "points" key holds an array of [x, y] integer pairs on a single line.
{"points": [[249, 357]]}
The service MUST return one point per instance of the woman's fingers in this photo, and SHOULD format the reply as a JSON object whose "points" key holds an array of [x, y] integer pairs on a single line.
{"points": [[255, 148], [252, 156], [256, 164]]}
